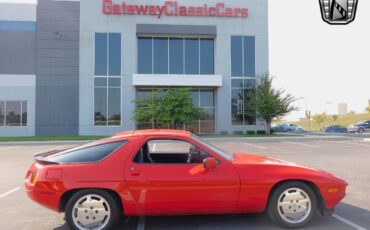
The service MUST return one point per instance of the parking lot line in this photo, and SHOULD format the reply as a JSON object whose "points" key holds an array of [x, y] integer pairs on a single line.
{"points": [[350, 223], [9, 192], [141, 224], [351, 143], [255, 146], [8, 148], [301, 144]]}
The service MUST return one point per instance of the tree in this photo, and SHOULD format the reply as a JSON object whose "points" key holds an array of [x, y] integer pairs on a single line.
{"points": [[270, 103], [173, 107], [335, 118], [368, 109], [319, 119]]}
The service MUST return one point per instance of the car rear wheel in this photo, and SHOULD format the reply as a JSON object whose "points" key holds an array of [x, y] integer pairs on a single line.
{"points": [[92, 209], [292, 205]]}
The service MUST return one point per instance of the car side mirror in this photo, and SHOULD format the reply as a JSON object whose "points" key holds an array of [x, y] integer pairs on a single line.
{"points": [[209, 163]]}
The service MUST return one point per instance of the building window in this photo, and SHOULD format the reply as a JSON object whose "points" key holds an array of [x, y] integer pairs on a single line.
{"points": [[13, 113], [243, 56], [176, 56], [243, 81], [162, 55], [107, 54], [107, 80], [241, 112], [202, 97]]}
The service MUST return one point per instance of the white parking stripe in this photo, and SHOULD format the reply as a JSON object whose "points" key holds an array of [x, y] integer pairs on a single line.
{"points": [[301, 144], [350, 223], [255, 146], [8, 148], [351, 143], [9, 192], [141, 224]]}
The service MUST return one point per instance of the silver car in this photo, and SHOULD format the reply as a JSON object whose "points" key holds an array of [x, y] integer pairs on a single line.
{"points": [[359, 127]]}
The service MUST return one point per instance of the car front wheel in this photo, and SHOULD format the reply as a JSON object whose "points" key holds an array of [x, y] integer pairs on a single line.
{"points": [[92, 209], [361, 130], [292, 205]]}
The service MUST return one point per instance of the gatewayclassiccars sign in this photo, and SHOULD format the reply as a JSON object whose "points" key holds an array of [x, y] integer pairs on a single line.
{"points": [[173, 8]]}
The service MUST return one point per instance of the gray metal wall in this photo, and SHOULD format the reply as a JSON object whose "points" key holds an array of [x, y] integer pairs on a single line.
{"points": [[57, 67], [17, 52]]}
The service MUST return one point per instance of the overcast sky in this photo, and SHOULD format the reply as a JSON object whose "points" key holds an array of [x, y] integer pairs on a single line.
{"points": [[317, 61], [321, 63]]}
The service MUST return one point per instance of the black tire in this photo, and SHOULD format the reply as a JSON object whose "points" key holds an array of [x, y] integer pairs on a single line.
{"points": [[113, 207], [273, 210], [361, 130]]}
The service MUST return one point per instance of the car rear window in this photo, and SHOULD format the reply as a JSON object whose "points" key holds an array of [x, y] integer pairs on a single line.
{"points": [[87, 155]]}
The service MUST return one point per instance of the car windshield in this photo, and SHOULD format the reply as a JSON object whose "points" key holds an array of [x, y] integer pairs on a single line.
{"points": [[213, 148], [360, 123]]}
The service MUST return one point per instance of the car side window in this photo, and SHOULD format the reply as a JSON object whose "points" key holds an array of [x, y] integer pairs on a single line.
{"points": [[169, 151]]}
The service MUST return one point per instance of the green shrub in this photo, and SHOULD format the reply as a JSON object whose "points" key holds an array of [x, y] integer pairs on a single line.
{"points": [[261, 132], [224, 133], [238, 133], [251, 132]]}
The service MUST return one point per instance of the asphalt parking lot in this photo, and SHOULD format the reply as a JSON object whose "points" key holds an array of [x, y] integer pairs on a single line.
{"points": [[349, 159]]}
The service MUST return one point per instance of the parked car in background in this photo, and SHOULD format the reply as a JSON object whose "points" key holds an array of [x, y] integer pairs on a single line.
{"points": [[287, 128], [359, 127], [335, 129]]}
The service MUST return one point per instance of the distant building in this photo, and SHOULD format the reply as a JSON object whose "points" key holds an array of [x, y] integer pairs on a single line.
{"points": [[342, 109]]}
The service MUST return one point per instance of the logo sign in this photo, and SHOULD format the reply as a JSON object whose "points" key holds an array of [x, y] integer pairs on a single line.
{"points": [[173, 8], [338, 12]]}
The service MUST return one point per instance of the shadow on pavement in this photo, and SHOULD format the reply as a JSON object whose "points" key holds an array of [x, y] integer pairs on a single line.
{"points": [[124, 224], [354, 214]]}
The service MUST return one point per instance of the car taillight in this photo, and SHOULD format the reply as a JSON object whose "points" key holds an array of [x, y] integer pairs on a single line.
{"points": [[32, 177]]}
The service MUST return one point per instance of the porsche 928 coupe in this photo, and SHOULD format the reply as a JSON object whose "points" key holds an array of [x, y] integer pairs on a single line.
{"points": [[171, 172]]}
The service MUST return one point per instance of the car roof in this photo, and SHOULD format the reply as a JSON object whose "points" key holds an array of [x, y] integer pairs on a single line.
{"points": [[152, 132]]}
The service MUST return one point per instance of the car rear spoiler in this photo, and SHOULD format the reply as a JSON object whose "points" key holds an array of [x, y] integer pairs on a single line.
{"points": [[40, 157]]}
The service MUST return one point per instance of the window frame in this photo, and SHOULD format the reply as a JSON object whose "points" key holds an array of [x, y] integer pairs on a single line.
{"points": [[124, 142], [107, 77], [171, 164], [183, 38], [243, 78], [197, 90], [4, 125]]}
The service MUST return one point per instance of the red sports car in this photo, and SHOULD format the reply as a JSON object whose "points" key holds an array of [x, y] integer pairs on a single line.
{"points": [[169, 172]]}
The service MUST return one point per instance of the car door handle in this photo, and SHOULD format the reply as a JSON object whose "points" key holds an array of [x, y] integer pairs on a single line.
{"points": [[134, 172]]}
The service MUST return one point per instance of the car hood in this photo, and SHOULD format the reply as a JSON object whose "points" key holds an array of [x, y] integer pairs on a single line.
{"points": [[272, 169], [248, 159]]}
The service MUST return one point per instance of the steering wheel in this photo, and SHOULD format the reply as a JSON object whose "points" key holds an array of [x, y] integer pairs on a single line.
{"points": [[193, 154]]}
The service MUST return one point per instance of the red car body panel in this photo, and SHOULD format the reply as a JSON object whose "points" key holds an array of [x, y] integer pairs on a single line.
{"points": [[241, 185]]}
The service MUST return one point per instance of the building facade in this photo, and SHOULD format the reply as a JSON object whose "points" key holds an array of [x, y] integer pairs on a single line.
{"points": [[77, 67]]}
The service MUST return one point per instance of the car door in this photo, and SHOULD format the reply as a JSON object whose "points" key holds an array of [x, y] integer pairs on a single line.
{"points": [[178, 187]]}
